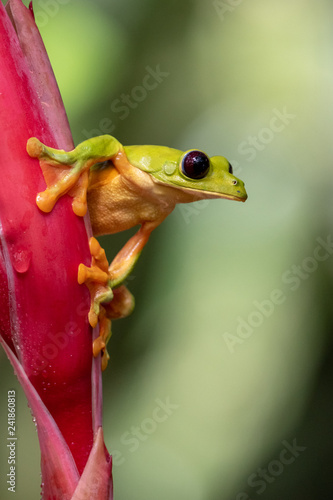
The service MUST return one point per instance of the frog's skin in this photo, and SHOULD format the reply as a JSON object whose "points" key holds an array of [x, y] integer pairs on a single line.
{"points": [[125, 186]]}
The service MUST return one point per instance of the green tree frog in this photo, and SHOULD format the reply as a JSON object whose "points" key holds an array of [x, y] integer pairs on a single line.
{"points": [[125, 186]]}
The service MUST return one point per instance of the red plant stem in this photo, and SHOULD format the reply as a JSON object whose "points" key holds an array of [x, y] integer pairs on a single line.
{"points": [[48, 309]]}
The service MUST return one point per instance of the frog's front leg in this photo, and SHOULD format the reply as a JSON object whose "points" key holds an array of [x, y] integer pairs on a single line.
{"points": [[68, 172]]}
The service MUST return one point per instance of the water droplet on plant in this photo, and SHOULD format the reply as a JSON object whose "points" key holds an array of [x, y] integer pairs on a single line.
{"points": [[21, 259]]}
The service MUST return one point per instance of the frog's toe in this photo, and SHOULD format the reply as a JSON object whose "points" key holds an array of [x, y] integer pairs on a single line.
{"points": [[79, 207], [105, 359], [99, 344], [34, 147], [99, 347], [79, 194], [46, 200]]}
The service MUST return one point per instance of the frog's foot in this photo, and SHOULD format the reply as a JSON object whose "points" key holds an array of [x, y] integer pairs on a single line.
{"points": [[68, 172], [105, 304], [121, 306], [64, 172], [97, 280]]}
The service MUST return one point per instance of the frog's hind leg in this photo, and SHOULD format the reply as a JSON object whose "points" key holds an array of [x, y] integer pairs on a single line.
{"points": [[121, 306]]}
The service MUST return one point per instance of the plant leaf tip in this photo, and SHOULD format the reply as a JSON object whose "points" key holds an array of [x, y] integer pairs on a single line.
{"points": [[32, 10]]}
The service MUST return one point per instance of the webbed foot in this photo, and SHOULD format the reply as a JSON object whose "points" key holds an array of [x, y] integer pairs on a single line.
{"points": [[105, 304], [64, 172], [97, 280], [68, 172]]}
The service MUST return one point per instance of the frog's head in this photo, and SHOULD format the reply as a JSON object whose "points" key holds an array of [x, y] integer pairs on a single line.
{"points": [[192, 172]]}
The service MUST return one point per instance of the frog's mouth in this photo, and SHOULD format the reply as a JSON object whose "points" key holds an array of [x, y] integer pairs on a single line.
{"points": [[202, 194], [212, 195], [188, 194]]}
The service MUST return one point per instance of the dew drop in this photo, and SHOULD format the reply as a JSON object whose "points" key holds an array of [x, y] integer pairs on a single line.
{"points": [[21, 259]]}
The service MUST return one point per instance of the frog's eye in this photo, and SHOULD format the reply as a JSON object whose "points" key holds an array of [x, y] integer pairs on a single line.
{"points": [[230, 169], [195, 164]]}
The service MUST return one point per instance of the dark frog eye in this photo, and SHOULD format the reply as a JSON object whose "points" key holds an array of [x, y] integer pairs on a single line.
{"points": [[230, 169], [195, 165]]}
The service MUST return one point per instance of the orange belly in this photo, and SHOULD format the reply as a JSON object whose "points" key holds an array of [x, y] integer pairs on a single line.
{"points": [[115, 205]]}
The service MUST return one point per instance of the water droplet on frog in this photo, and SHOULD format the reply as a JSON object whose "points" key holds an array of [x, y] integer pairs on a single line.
{"points": [[21, 259]]}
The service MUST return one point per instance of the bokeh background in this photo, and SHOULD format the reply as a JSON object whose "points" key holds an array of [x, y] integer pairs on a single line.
{"points": [[231, 337]]}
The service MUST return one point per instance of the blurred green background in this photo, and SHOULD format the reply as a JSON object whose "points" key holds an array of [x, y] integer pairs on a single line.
{"points": [[233, 324]]}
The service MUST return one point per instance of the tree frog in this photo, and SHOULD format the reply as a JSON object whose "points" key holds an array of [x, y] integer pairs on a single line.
{"points": [[122, 187]]}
